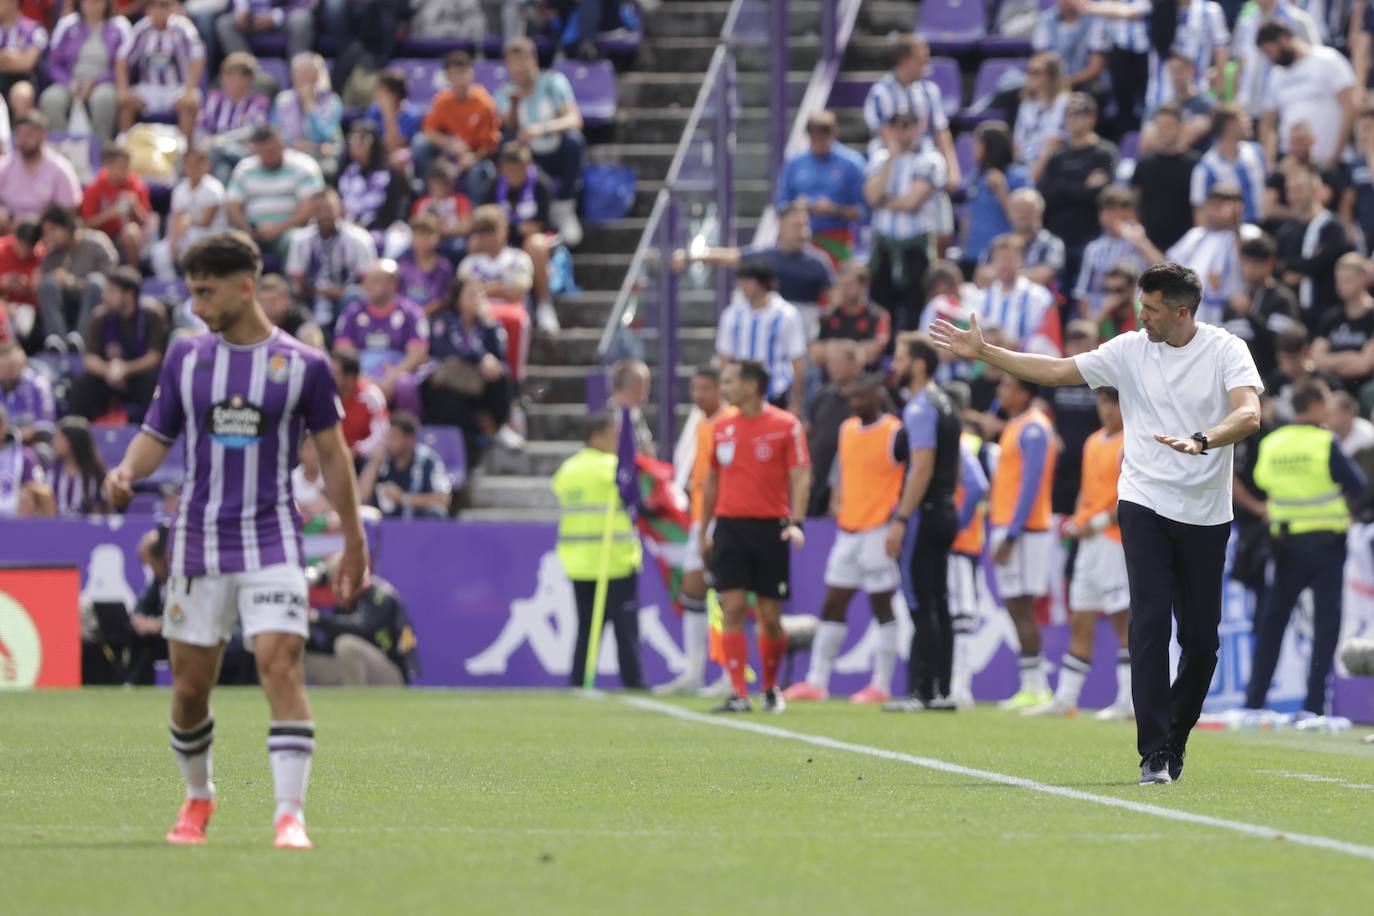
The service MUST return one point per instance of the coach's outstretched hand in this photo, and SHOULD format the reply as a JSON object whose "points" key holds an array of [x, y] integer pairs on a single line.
{"points": [[119, 487], [1186, 446], [963, 344], [793, 533]]}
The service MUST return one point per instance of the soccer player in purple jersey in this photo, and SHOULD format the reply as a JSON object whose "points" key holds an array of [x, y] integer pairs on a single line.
{"points": [[243, 396]]}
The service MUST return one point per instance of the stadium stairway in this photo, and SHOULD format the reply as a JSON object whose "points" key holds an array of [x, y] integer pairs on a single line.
{"points": [[654, 101]]}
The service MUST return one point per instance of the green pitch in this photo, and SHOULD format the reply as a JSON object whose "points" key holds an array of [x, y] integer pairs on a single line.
{"points": [[514, 804]]}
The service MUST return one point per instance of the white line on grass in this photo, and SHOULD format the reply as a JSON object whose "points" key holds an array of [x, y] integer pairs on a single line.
{"points": [[930, 763]]}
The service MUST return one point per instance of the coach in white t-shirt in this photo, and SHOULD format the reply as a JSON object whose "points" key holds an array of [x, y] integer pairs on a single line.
{"points": [[1188, 392], [1312, 84]]}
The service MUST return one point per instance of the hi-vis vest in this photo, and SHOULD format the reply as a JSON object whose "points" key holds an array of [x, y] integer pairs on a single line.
{"points": [[1294, 468], [585, 485], [970, 541]]}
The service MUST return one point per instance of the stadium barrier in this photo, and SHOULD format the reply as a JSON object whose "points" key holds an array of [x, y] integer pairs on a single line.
{"points": [[492, 608]]}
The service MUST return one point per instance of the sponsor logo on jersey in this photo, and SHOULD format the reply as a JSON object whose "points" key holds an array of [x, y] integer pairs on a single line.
{"points": [[235, 423], [289, 599]]}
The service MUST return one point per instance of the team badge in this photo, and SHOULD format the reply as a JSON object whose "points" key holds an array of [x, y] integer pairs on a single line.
{"points": [[278, 368], [763, 451], [398, 318], [725, 452], [174, 613]]}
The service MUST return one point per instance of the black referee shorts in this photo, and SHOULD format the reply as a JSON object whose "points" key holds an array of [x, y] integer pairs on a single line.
{"points": [[749, 553]]}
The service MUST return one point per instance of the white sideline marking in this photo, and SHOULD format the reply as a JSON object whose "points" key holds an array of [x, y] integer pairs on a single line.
{"points": [[1312, 777], [930, 763]]}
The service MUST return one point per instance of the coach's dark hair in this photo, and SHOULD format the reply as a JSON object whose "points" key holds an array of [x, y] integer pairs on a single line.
{"points": [[1110, 394], [223, 255], [1273, 30], [1178, 285], [706, 370], [996, 139], [756, 372], [598, 423], [1308, 393], [921, 350], [348, 363], [406, 422], [1260, 248]]}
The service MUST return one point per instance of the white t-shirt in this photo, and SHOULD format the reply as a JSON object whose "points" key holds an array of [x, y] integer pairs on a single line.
{"points": [[307, 492], [207, 195], [775, 335], [512, 267], [1307, 92], [1176, 391]]}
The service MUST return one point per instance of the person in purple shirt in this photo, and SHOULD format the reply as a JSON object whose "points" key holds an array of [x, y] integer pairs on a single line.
{"points": [[18, 468], [389, 336], [426, 276], [125, 338], [79, 473], [34, 176], [26, 395], [21, 43], [243, 396], [231, 113], [89, 77], [470, 386], [254, 17]]}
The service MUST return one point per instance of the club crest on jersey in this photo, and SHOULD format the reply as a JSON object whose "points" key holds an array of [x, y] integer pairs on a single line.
{"points": [[174, 613], [763, 451], [278, 368], [235, 423], [725, 452]]}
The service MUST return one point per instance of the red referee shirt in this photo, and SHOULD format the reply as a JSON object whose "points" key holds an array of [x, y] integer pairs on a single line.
{"points": [[752, 457]]}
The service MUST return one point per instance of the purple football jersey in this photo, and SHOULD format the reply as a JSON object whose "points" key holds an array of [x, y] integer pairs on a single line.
{"points": [[243, 411], [382, 339]]}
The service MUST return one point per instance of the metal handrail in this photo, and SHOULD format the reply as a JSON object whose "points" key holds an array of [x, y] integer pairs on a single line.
{"points": [[621, 313]]}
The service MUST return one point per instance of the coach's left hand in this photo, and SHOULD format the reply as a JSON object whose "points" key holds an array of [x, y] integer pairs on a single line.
{"points": [[1186, 446], [794, 534]]}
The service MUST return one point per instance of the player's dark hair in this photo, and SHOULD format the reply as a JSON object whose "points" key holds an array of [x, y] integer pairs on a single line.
{"points": [[223, 254], [406, 422], [756, 372], [919, 347], [1110, 394], [1259, 248], [598, 423], [1179, 285], [706, 370], [759, 270], [1309, 393], [348, 363]]}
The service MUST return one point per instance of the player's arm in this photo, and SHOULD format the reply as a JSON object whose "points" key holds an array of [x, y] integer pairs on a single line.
{"points": [[975, 484], [336, 466], [1033, 367], [144, 455], [1242, 422], [1034, 452]]}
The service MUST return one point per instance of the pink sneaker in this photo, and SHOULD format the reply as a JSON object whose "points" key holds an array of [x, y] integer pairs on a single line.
{"points": [[870, 695], [291, 833], [804, 692]]}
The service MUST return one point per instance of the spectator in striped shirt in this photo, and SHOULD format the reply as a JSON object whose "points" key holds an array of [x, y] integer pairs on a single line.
{"points": [[901, 188], [1044, 251], [231, 113], [1021, 308], [1200, 33], [1212, 250], [1123, 240], [22, 41], [327, 257], [905, 88], [270, 191], [761, 325], [310, 114], [165, 51], [253, 17], [1233, 159], [1040, 118]]}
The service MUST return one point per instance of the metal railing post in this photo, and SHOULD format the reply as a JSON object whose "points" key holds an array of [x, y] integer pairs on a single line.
{"points": [[829, 28], [778, 63], [667, 329], [725, 171]]}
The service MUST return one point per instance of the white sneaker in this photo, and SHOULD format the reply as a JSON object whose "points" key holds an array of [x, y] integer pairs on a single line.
{"points": [[717, 691], [509, 439], [546, 318], [1055, 707], [564, 215], [683, 685], [963, 700], [1117, 712]]}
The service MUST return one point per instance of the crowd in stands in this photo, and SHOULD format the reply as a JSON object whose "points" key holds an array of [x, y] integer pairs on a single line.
{"points": [[412, 234]]}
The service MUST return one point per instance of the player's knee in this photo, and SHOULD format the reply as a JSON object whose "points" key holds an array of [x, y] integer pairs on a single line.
{"points": [[280, 666]]}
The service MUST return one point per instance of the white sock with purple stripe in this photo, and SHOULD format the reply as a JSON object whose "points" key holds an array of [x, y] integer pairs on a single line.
{"points": [[193, 747], [291, 746]]}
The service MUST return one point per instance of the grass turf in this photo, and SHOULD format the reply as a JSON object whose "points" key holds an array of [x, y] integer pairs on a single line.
{"points": [[480, 802]]}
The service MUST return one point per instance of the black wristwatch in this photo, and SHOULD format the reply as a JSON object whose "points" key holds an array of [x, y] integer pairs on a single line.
{"points": [[1201, 438], [794, 523]]}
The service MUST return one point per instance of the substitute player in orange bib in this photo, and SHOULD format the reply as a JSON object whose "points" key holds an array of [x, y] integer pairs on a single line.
{"points": [[872, 467], [756, 495]]}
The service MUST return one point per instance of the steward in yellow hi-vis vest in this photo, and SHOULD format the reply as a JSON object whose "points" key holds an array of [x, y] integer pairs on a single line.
{"points": [[1307, 481], [585, 485]]}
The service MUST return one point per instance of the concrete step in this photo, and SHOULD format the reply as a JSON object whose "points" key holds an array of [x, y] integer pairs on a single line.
{"points": [[536, 459], [641, 89], [694, 54], [707, 18], [653, 159], [665, 125], [568, 384], [505, 515], [503, 491], [751, 196], [550, 422], [623, 235], [592, 308], [577, 347]]}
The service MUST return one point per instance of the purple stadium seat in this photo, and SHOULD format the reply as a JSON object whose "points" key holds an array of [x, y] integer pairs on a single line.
{"points": [[985, 86], [173, 292], [112, 441], [490, 74], [944, 72], [270, 45], [447, 441], [418, 46], [593, 86], [424, 77], [144, 503], [952, 26], [278, 69]]}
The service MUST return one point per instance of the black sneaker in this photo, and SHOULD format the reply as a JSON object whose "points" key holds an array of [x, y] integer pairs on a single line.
{"points": [[1175, 765], [773, 701], [1154, 769], [735, 703]]}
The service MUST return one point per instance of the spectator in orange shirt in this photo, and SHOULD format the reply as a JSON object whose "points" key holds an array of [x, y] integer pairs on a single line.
{"points": [[463, 125], [117, 203], [20, 254], [365, 417]]}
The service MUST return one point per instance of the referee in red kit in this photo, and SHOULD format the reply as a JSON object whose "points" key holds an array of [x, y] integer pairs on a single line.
{"points": [[756, 496]]}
